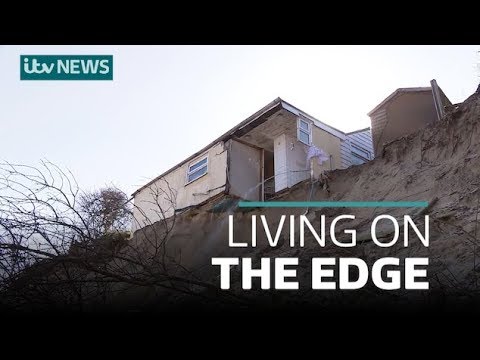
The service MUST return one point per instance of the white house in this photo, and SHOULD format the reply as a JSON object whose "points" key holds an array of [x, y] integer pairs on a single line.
{"points": [[259, 157]]}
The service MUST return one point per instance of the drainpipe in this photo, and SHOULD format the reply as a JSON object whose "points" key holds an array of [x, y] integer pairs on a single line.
{"points": [[311, 170]]}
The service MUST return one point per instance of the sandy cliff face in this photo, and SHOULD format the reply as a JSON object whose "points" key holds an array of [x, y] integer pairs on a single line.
{"points": [[439, 164]]}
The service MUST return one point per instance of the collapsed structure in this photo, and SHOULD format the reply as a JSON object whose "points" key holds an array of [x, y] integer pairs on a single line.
{"points": [[439, 164], [405, 111], [272, 150]]}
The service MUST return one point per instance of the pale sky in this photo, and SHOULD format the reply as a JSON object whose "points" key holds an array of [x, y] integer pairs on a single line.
{"points": [[167, 102]]}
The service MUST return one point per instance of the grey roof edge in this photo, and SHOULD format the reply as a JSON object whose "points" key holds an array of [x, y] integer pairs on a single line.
{"points": [[358, 131], [395, 93], [446, 97]]}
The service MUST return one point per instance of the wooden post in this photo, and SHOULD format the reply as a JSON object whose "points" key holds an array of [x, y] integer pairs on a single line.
{"points": [[437, 99]]}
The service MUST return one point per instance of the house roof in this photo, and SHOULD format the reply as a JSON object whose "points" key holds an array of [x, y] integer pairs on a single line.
{"points": [[246, 125], [270, 108], [396, 93], [296, 111], [358, 131]]}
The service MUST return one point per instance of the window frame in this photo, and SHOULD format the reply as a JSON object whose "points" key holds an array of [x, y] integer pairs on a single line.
{"points": [[195, 162], [362, 149], [358, 157], [300, 129]]}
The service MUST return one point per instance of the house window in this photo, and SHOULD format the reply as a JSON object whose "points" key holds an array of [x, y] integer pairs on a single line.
{"points": [[361, 151], [304, 132], [197, 169], [357, 159]]}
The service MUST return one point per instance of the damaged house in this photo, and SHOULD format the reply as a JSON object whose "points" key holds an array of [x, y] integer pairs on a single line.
{"points": [[405, 111], [274, 149]]}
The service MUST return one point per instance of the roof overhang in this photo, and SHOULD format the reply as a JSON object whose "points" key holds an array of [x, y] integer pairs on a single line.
{"points": [[396, 93], [359, 131], [252, 121], [248, 124], [330, 129]]}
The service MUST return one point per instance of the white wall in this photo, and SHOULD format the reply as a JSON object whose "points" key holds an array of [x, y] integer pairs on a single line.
{"points": [[280, 162], [296, 160], [363, 141], [290, 162], [245, 171], [149, 200]]}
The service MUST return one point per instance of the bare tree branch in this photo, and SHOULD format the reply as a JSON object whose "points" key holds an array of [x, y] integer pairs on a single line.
{"points": [[61, 245]]}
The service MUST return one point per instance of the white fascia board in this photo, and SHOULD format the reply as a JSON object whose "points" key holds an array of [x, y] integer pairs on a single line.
{"points": [[341, 135]]}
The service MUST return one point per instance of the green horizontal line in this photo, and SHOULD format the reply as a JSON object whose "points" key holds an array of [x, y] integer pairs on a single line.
{"points": [[333, 204]]}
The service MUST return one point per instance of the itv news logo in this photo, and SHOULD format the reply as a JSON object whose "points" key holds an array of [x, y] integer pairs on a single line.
{"points": [[66, 67]]}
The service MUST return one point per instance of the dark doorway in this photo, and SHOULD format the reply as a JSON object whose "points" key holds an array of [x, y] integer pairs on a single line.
{"points": [[268, 175]]}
